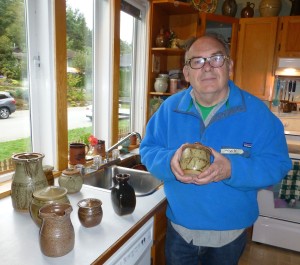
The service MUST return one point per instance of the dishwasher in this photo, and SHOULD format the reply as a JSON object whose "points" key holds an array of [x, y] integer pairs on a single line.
{"points": [[137, 249]]}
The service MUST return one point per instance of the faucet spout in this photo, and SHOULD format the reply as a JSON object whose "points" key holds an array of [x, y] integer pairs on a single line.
{"points": [[122, 141]]}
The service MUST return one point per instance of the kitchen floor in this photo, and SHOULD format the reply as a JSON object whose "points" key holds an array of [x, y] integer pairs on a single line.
{"points": [[261, 254]]}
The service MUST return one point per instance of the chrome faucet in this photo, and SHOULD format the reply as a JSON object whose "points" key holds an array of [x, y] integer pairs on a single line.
{"points": [[122, 141]]}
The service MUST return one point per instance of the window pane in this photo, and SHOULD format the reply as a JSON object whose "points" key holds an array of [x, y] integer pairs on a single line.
{"points": [[14, 88], [79, 69], [126, 73]]}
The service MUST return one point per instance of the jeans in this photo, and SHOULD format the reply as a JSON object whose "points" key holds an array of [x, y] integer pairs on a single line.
{"points": [[179, 252]]}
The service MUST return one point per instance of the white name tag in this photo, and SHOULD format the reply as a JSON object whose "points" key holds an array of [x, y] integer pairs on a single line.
{"points": [[232, 151]]}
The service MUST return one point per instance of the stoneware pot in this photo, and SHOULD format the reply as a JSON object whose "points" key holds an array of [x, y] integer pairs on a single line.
{"points": [[161, 84], [123, 195], [248, 11], [229, 8], [269, 8], [71, 179], [77, 153], [48, 195], [57, 237], [48, 170], [195, 158], [28, 177], [90, 212]]}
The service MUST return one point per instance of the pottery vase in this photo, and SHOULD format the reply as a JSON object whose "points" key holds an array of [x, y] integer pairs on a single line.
{"points": [[90, 212], [123, 195], [269, 8], [57, 236], [248, 11], [161, 40], [99, 148], [161, 84], [27, 178], [71, 179], [48, 195], [229, 8]]}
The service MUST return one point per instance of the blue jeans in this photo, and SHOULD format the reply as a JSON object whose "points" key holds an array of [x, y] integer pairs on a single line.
{"points": [[179, 252]]}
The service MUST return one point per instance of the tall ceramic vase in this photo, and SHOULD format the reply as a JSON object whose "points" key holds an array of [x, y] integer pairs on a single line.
{"points": [[28, 177], [123, 195], [269, 8]]}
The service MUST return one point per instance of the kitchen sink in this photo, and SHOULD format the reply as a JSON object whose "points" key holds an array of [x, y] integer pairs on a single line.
{"points": [[142, 181]]}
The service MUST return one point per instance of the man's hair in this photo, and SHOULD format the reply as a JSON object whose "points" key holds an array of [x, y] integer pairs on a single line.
{"points": [[218, 37]]}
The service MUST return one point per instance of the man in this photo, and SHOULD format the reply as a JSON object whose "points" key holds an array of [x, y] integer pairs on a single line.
{"points": [[208, 213]]}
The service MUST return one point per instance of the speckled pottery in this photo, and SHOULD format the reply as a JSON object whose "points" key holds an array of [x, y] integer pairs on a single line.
{"points": [[27, 178], [57, 236], [123, 195], [71, 179], [195, 158], [90, 212], [269, 8], [48, 195]]}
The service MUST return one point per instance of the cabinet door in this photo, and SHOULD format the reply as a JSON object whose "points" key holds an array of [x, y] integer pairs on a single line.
{"points": [[289, 37], [255, 53]]}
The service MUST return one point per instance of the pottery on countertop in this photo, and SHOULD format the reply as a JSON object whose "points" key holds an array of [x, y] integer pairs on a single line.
{"points": [[57, 235], [42, 197], [71, 179], [90, 212], [195, 158]]}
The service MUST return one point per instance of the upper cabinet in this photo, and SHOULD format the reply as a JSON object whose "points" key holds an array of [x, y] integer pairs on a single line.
{"points": [[186, 22], [255, 54], [288, 40]]}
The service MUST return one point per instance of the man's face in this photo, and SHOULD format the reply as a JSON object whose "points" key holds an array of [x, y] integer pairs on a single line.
{"points": [[208, 81]]}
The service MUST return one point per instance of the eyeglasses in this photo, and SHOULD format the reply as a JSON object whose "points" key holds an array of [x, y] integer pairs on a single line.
{"points": [[214, 61]]}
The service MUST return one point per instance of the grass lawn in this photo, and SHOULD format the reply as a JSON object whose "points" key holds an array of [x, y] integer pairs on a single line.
{"points": [[22, 145]]}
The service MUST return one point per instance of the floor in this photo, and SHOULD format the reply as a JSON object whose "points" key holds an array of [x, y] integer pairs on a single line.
{"points": [[261, 254]]}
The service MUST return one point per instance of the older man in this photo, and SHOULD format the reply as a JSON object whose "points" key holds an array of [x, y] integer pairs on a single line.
{"points": [[209, 212]]}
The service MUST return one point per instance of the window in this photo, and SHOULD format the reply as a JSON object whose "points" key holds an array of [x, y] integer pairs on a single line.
{"points": [[43, 63]]}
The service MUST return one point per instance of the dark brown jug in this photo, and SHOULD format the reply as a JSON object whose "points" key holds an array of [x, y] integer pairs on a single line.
{"points": [[248, 11], [229, 8], [123, 195]]}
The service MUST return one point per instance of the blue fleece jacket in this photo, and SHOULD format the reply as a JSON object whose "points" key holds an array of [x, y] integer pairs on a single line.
{"points": [[244, 122]]}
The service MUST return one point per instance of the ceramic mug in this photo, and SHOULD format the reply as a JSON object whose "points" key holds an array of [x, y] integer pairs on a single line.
{"points": [[77, 153]]}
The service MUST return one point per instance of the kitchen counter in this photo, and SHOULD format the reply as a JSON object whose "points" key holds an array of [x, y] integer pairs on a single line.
{"points": [[19, 237]]}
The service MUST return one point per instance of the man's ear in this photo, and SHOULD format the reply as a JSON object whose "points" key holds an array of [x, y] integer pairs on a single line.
{"points": [[230, 65], [186, 73]]}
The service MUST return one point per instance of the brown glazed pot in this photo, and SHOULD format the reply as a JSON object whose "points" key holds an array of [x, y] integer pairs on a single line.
{"points": [[57, 236], [195, 158], [90, 212]]}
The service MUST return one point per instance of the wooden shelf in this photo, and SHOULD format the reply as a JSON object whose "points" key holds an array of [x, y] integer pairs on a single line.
{"points": [[168, 51]]}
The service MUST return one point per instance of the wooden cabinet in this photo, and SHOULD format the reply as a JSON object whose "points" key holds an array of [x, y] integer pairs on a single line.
{"points": [[255, 54], [159, 236], [186, 22], [288, 40]]}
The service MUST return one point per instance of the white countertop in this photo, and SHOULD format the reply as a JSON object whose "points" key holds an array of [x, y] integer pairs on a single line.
{"points": [[19, 236]]}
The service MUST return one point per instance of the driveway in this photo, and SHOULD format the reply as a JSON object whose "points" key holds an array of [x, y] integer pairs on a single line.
{"points": [[17, 125]]}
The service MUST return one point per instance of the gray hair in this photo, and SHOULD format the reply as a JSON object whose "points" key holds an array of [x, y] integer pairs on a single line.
{"points": [[218, 37]]}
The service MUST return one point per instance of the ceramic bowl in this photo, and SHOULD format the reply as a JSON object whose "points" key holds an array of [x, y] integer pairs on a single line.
{"points": [[90, 212], [195, 158]]}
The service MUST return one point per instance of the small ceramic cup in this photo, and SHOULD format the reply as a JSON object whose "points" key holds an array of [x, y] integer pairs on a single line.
{"points": [[195, 158], [90, 212]]}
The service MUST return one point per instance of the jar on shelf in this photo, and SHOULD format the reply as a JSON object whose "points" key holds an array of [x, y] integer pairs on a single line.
{"points": [[248, 11], [160, 40], [269, 8], [229, 8], [161, 84], [99, 148]]}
